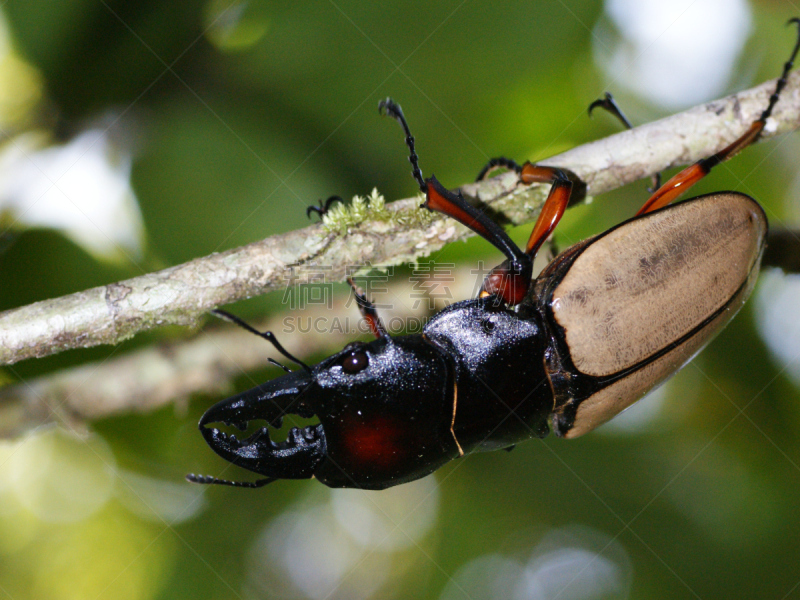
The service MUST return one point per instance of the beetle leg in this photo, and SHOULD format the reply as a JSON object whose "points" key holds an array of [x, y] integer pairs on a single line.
{"points": [[323, 207], [511, 280], [453, 420], [681, 182], [367, 310], [610, 105], [393, 109], [501, 162], [209, 479], [555, 205], [452, 204]]}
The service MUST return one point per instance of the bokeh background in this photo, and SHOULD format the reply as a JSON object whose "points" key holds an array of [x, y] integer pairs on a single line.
{"points": [[141, 135]]}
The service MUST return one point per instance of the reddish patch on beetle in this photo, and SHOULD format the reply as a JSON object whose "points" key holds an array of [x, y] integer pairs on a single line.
{"points": [[510, 287], [375, 441]]}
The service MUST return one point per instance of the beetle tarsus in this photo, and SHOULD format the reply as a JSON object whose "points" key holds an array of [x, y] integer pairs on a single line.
{"points": [[610, 105], [393, 110], [500, 162], [322, 208], [210, 480], [773, 99]]}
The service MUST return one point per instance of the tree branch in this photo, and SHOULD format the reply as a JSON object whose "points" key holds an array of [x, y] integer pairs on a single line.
{"points": [[383, 235], [146, 379]]}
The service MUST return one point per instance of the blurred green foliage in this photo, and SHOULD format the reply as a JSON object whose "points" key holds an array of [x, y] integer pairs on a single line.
{"points": [[239, 114]]}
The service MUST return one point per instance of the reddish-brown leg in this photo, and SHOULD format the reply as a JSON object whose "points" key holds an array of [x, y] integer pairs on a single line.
{"points": [[681, 182], [367, 310], [554, 207], [499, 280], [511, 280]]}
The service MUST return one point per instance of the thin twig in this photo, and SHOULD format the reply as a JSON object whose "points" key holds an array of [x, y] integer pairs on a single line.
{"points": [[209, 363], [182, 294]]}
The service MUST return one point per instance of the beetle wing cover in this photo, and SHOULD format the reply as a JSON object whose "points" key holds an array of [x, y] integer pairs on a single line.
{"points": [[650, 293]]}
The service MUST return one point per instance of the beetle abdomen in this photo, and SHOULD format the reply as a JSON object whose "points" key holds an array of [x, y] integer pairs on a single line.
{"points": [[635, 304]]}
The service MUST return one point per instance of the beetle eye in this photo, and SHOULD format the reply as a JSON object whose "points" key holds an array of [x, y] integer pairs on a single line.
{"points": [[355, 362], [488, 326]]}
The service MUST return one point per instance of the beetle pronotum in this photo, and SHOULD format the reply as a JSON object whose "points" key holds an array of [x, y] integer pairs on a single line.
{"points": [[606, 321]]}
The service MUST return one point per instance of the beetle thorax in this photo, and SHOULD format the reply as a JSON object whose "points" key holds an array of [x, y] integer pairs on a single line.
{"points": [[502, 393]]}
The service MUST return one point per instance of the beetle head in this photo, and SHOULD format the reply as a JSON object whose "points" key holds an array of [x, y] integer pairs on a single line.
{"points": [[385, 411]]}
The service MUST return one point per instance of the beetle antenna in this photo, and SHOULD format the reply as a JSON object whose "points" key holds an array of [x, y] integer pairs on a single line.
{"points": [[393, 110], [267, 335], [208, 479], [782, 80]]}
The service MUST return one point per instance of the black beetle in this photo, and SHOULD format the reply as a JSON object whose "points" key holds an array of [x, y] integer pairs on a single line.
{"points": [[605, 322]]}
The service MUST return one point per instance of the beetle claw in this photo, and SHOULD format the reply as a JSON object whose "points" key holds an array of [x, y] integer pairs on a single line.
{"points": [[295, 458]]}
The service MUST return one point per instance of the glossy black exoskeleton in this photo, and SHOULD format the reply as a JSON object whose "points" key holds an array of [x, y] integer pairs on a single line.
{"points": [[396, 409], [605, 322]]}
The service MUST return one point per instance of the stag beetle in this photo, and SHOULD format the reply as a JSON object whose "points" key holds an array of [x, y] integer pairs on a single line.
{"points": [[605, 322]]}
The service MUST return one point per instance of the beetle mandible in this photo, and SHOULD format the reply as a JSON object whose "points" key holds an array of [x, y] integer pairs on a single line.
{"points": [[605, 322]]}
